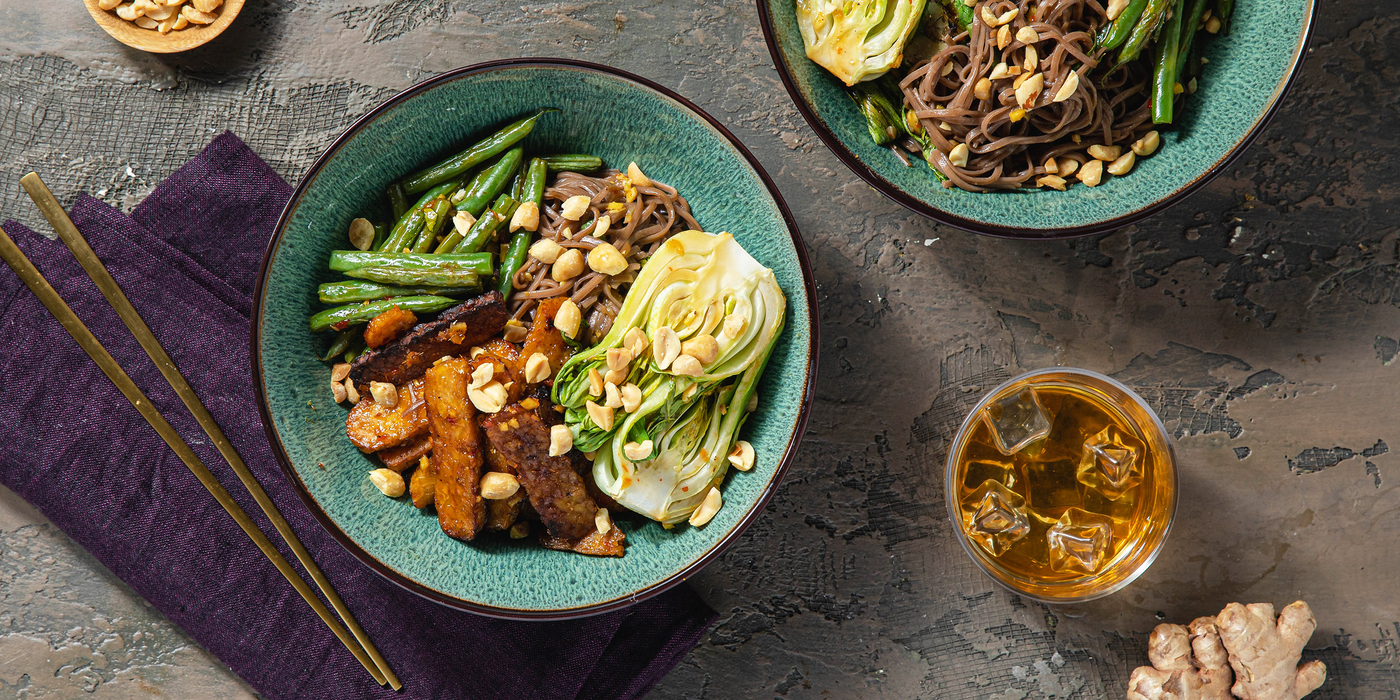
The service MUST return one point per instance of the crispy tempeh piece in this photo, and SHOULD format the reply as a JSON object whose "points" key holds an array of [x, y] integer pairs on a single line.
{"points": [[406, 455], [556, 491], [502, 513], [595, 543], [543, 337], [457, 451], [372, 427], [388, 326], [422, 486], [454, 332], [509, 355]]}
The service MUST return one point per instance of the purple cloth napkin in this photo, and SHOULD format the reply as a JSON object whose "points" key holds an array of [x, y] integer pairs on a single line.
{"points": [[187, 258]]}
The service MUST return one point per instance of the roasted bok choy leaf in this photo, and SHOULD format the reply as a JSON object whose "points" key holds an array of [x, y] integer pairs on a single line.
{"points": [[684, 355], [857, 39]]}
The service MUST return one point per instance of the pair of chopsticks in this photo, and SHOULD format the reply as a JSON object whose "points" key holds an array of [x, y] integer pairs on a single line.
{"points": [[359, 645]]}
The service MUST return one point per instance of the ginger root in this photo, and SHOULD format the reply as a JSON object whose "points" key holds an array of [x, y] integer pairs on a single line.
{"points": [[1174, 674], [1243, 646]]}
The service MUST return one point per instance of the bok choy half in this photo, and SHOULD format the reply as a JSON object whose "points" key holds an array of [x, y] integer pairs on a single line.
{"points": [[696, 284]]}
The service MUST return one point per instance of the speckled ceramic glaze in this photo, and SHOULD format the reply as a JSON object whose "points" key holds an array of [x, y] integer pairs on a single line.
{"points": [[604, 112], [1248, 72]]}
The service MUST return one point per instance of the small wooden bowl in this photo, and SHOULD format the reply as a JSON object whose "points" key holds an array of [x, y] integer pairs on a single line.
{"points": [[153, 41]]}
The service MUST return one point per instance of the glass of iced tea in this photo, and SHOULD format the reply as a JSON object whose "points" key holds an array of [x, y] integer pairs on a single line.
{"points": [[1063, 485]]}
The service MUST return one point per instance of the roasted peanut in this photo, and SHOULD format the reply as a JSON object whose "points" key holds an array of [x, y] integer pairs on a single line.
{"points": [[742, 456], [389, 482], [687, 366], [708, 507], [567, 266], [489, 398], [384, 393], [545, 251], [574, 207], [602, 416], [498, 485], [631, 397], [568, 318], [526, 216], [561, 440], [666, 347], [537, 368], [635, 174], [637, 452], [702, 347], [606, 259]]}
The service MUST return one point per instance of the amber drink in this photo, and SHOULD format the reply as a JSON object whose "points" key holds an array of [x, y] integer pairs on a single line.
{"points": [[1063, 484]]}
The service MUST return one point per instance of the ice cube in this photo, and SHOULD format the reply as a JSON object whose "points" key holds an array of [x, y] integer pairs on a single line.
{"points": [[1035, 546], [980, 470], [1017, 421], [1111, 462], [995, 517], [1051, 485], [1121, 509], [1080, 541]]}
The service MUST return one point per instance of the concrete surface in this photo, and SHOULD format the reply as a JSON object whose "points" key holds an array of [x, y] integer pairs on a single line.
{"points": [[1260, 317]]}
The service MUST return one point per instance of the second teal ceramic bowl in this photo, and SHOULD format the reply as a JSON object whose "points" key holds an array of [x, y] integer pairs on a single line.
{"points": [[1248, 74], [605, 112]]}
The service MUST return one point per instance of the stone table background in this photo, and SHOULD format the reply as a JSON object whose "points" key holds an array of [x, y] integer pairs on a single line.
{"points": [[1259, 317]]}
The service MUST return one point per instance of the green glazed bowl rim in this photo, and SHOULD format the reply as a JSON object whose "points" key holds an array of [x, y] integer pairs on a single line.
{"points": [[625, 599], [909, 201]]}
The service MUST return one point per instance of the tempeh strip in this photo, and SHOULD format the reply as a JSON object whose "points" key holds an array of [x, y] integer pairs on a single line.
{"points": [[556, 491], [457, 452]]}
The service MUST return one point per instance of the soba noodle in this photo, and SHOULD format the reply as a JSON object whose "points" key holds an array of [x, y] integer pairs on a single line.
{"points": [[1009, 146], [638, 228]]}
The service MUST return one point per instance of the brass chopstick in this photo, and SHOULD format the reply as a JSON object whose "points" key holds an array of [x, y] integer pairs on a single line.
{"points": [[72, 238], [32, 278]]}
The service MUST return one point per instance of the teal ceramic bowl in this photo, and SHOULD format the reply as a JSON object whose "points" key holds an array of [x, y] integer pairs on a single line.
{"points": [[605, 112], [1244, 82]]}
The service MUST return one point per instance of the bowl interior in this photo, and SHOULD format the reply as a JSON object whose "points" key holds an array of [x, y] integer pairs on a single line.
{"points": [[153, 41], [1246, 75], [602, 114]]}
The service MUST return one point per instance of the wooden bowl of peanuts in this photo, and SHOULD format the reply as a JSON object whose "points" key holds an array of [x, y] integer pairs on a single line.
{"points": [[164, 26]]}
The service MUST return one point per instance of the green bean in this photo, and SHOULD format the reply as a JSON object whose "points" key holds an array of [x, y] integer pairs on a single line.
{"points": [[532, 190], [485, 227], [406, 231], [512, 260], [398, 200], [460, 163], [381, 233], [409, 277], [1147, 25], [572, 162], [1113, 34], [438, 212], [517, 182], [1224, 9], [448, 243], [357, 348], [350, 260], [350, 291], [1190, 24], [341, 342], [1164, 68], [342, 317], [496, 179]]}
